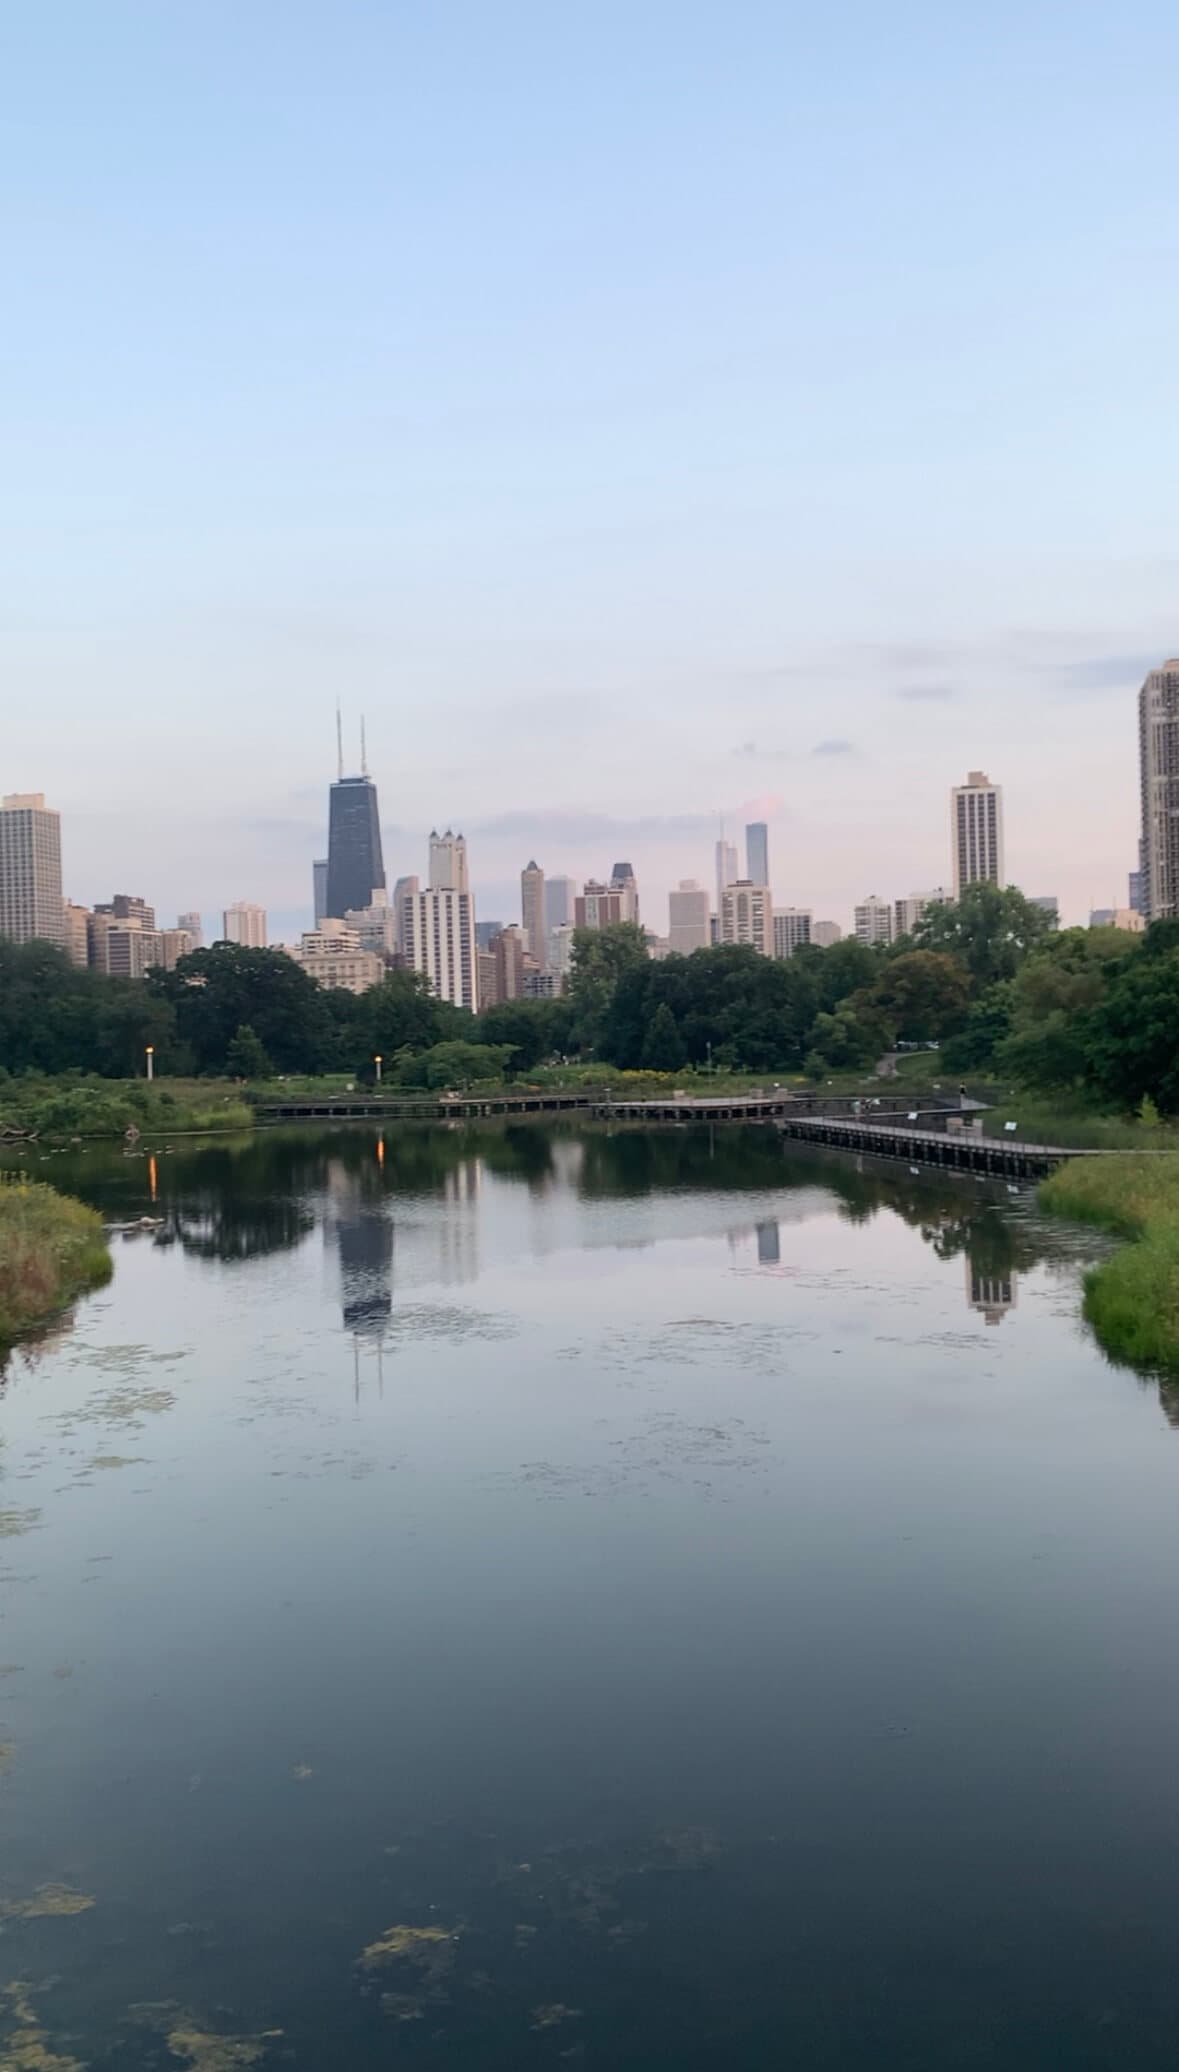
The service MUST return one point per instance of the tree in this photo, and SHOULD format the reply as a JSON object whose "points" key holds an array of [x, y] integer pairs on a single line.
{"points": [[454, 1065], [533, 1028], [601, 957], [987, 1026], [989, 928], [663, 1047], [213, 992], [1130, 1037], [923, 994], [400, 1010], [245, 1057]]}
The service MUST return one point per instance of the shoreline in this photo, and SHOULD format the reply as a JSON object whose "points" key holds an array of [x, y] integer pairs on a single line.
{"points": [[1131, 1299], [53, 1249]]}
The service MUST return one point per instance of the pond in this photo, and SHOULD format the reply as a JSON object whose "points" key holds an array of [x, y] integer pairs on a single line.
{"points": [[525, 1597]]}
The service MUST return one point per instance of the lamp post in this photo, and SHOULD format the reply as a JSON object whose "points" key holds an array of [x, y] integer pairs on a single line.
{"points": [[378, 1061], [150, 1055]]}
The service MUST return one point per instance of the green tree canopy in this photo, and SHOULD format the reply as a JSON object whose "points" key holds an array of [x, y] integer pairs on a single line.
{"points": [[245, 1057], [989, 929], [214, 991], [601, 957], [663, 1046]]}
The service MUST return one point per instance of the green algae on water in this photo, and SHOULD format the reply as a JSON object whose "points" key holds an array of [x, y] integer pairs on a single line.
{"points": [[48, 1902]]}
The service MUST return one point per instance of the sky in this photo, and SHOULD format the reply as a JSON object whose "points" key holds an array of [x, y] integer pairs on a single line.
{"points": [[644, 414]]}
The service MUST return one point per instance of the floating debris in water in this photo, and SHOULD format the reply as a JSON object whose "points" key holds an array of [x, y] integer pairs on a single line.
{"points": [[405, 1943], [204, 2051], [47, 1902], [14, 1523], [24, 2048], [7, 1756], [552, 2016], [301, 1771]]}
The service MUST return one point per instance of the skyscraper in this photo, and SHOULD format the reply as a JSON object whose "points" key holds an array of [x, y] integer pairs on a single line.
{"points": [[194, 926], [438, 938], [355, 865], [792, 928], [319, 875], [757, 853], [31, 905], [727, 870], [245, 924], [448, 862], [532, 913], [1158, 751], [874, 921], [976, 810], [747, 916], [559, 895], [624, 883], [687, 919]]}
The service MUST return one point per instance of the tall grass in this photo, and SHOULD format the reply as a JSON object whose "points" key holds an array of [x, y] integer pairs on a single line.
{"points": [[1132, 1299], [52, 1248]]}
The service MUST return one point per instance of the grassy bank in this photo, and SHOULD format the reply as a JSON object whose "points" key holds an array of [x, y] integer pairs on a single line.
{"points": [[1132, 1299], [52, 1249], [78, 1106]]}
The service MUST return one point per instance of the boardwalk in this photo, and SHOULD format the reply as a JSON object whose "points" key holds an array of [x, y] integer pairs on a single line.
{"points": [[959, 1150]]}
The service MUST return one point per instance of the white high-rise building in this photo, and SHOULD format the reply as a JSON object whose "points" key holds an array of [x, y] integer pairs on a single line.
{"points": [[31, 905], [335, 957], [757, 853], [687, 919], [77, 933], [438, 938], [245, 924], [873, 921], [728, 870], [976, 815], [909, 912], [826, 934], [532, 913], [747, 915], [1158, 758], [448, 863], [193, 925], [561, 954], [401, 892], [792, 928]]}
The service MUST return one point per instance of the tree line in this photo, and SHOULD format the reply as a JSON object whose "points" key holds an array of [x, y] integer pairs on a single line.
{"points": [[1088, 1010]]}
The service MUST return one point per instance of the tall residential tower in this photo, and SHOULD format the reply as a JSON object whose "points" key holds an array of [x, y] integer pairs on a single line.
{"points": [[31, 905], [976, 812], [1158, 751]]}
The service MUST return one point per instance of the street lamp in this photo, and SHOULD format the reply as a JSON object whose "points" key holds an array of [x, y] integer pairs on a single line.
{"points": [[150, 1055], [378, 1062]]}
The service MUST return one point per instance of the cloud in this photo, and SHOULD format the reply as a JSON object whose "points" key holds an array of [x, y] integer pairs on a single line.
{"points": [[926, 693], [833, 748], [580, 824]]}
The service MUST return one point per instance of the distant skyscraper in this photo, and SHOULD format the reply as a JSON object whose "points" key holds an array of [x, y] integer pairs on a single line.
{"points": [[532, 913], [792, 928], [727, 870], [245, 924], [747, 916], [757, 853], [401, 890], [486, 932], [598, 906], [911, 911], [559, 895], [448, 863], [438, 938], [194, 926], [31, 905], [874, 918], [622, 881], [977, 829], [319, 885], [128, 910], [1049, 906], [826, 934], [77, 933], [1158, 755], [687, 919], [355, 864]]}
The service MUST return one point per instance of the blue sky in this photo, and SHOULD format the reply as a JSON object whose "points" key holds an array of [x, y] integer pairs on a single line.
{"points": [[642, 413]]}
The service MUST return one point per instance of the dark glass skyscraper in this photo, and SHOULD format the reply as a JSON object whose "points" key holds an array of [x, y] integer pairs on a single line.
{"points": [[355, 866]]}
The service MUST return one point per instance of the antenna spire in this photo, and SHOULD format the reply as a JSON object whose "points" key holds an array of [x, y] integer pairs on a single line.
{"points": [[339, 743], [363, 750]]}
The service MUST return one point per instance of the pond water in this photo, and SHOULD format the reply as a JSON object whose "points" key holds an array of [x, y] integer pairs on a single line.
{"points": [[530, 1597]]}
